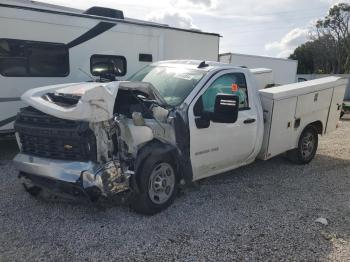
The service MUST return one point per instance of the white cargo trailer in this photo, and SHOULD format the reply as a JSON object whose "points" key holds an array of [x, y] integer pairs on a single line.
{"points": [[284, 70], [43, 44], [264, 77]]}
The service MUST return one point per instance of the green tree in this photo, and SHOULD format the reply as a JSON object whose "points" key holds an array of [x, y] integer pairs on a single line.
{"points": [[328, 50], [304, 55]]}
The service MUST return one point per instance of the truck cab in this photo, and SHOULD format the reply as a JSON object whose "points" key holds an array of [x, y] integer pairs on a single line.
{"points": [[219, 144], [173, 122]]}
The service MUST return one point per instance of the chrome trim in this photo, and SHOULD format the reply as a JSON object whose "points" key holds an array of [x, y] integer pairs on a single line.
{"points": [[67, 171], [108, 178]]}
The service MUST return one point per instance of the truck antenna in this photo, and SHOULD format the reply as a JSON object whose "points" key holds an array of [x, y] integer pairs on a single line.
{"points": [[93, 80], [203, 64]]}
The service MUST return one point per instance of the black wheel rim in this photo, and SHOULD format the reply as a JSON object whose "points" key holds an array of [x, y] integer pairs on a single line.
{"points": [[308, 144]]}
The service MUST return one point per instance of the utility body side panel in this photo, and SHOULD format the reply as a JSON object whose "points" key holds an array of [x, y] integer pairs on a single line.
{"points": [[289, 109]]}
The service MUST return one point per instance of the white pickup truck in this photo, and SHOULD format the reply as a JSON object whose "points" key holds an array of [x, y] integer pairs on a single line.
{"points": [[173, 123]]}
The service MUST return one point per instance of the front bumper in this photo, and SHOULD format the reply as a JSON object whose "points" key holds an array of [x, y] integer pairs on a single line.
{"points": [[85, 177]]}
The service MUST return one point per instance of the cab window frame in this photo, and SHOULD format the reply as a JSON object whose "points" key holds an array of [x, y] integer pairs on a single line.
{"points": [[244, 78]]}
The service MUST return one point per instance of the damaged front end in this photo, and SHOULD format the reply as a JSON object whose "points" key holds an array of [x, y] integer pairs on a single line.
{"points": [[85, 139]]}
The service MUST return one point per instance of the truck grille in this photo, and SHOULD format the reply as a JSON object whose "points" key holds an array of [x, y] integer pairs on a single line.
{"points": [[50, 137]]}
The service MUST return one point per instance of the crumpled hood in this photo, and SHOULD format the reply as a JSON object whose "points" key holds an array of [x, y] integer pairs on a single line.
{"points": [[96, 103]]}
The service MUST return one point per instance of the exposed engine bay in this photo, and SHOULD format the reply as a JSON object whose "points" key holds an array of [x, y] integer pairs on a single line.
{"points": [[112, 125]]}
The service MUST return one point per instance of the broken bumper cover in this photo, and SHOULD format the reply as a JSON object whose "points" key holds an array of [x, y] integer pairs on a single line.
{"points": [[74, 177]]}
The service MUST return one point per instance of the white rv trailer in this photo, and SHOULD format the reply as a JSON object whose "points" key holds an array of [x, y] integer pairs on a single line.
{"points": [[43, 44], [284, 70]]}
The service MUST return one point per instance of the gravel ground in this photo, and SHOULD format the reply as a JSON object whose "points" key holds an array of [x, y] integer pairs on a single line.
{"points": [[265, 211]]}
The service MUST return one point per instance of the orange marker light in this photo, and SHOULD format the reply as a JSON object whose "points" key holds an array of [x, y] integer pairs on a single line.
{"points": [[234, 87]]}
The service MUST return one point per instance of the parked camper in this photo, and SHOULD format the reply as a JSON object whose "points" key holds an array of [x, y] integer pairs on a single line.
{"points": [[42, 44], [177, 121], [284, 70]]}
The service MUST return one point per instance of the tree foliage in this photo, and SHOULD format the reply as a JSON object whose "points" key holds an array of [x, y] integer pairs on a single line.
{"points": [[328, 50]]}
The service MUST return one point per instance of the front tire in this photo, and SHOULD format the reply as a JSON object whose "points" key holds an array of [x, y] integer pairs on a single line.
{"points": [[307, 147], [158, 184]]}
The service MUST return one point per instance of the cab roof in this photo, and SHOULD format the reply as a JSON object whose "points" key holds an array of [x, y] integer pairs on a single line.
{"points": [[196, 64]]}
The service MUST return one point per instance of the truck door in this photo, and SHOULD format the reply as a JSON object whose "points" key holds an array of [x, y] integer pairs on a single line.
{"points": [[217, 147]]}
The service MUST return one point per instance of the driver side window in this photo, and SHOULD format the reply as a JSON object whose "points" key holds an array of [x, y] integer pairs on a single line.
{"points": [[230, 84]]}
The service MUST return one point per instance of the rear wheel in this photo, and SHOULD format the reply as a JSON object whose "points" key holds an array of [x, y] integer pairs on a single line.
{"points": [[157, 185], [307, 147]]}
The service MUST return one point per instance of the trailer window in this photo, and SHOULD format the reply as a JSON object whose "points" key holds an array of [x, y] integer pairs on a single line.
{"points": [[145, 58], [224, 85], [118, 62], [23, 58]]}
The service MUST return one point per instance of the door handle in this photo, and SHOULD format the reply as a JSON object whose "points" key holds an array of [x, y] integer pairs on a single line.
{"points": [[249, 121]]}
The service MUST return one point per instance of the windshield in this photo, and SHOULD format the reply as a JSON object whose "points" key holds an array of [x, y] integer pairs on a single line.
{"points": [[173, 83]]}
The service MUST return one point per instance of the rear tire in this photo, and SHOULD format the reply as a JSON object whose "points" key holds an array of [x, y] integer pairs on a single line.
{"points": [[158, 185], [307, 147]]}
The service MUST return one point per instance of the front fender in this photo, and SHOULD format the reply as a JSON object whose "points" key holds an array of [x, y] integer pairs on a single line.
{"points": [[156, 149]]}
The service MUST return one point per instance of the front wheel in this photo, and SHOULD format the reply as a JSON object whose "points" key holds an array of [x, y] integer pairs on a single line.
{"points": [[307, 147], [157, 185]]}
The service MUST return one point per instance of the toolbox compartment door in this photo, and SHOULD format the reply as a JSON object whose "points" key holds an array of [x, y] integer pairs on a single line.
{"points": [[313, 102], [335, 108], [279, 133]]}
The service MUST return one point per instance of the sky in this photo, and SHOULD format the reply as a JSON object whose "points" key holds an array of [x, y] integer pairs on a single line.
{"points": [[269, 27]]}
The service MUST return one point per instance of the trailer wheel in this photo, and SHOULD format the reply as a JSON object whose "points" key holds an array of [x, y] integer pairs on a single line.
{"points": [[157, 186], [307, 147]]}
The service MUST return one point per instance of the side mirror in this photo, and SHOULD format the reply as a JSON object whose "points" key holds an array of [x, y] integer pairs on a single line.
{"points": [[226, 108], [105, 70]]}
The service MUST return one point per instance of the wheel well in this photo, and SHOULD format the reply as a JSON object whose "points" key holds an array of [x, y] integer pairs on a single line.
{"points": [[318, 126], [155, 149]]}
